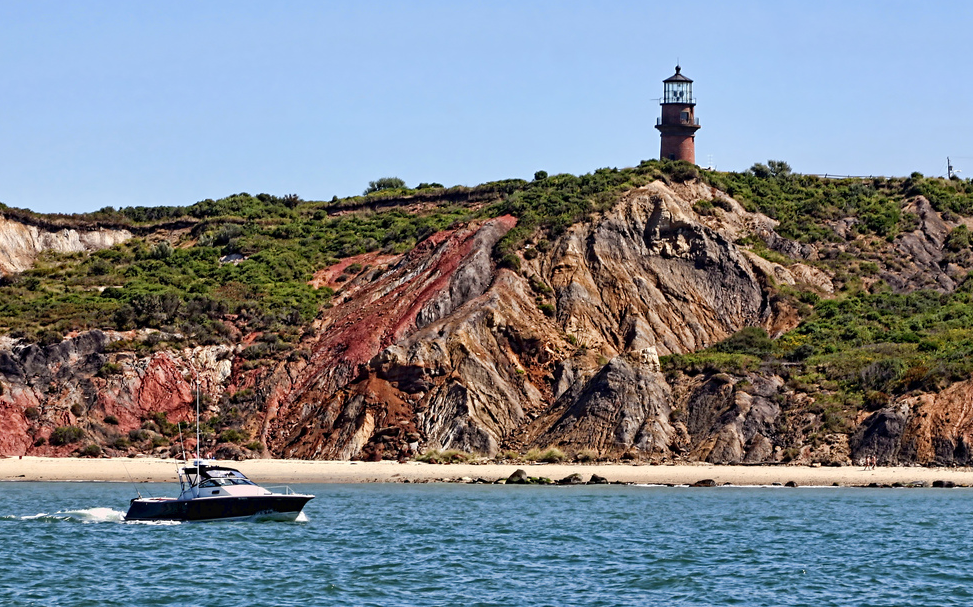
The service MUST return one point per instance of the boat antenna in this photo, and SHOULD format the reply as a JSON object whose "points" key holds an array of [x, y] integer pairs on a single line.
{"points": [[137, 492], [183, 442], [197, 420]]}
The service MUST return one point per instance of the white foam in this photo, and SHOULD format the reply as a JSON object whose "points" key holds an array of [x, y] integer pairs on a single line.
{"points": [[157, 523], [85, 515]]}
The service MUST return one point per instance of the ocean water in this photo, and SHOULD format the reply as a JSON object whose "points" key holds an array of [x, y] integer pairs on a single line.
{"points": [[390, 544]]}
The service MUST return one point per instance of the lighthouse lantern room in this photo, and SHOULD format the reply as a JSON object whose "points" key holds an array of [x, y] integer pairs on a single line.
{"points": [[678, 124]]}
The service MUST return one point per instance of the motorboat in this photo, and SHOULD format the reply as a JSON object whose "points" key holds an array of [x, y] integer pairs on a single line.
{"points": [[211, 492]]}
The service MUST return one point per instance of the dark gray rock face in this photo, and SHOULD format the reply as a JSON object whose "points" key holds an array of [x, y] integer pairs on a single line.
{"points": [[729, 425], [32, 364], [922, 252], [470, 279], [791, 248], [624, 405], [880, 435], [571, 479]]}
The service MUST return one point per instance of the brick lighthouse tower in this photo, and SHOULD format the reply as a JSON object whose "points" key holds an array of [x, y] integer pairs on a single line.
{"points": [[678, 124]]}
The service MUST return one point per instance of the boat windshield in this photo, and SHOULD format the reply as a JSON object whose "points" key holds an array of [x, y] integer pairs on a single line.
{"points": [[215, 482], [222, 473]]}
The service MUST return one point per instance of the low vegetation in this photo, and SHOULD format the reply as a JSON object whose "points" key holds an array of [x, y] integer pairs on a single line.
{"points": [[65, 435], [858, 350], [449, 456]]}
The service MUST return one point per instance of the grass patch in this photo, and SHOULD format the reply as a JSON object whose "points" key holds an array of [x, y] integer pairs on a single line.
{"points": [[550, 455], [233, 435], [449, 456], [65, 435]]}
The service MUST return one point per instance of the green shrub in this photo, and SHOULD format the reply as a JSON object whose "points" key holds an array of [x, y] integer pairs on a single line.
{"points": [[121, 443], [233, 435], [111, 419], [539, 286], [511, 261], [255, 446], [710, 362], [550, 455], [32, 413], [586, 456], [748, 340], [91, 451], [450, 456], [683, 171], [384, 183], [704, 207], [958, 239], [65, 435], [547, 309], [109, 369], [162, 250], [163, 425], [508, 455]]}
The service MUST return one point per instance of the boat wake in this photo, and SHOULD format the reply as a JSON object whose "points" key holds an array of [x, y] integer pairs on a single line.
{"points": [[86, 515], [279, 517]]}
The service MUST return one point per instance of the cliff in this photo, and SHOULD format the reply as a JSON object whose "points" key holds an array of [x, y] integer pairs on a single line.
{"points": [[441, 347], [21, 243]]}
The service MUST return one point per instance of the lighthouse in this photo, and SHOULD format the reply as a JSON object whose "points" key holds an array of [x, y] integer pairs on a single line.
{"points": [[678, 123]]}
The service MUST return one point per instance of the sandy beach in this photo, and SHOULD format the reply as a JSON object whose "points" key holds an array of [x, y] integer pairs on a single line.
{"points": [[300, 471]]}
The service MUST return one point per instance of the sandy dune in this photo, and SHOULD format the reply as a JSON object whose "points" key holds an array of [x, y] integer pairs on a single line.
{"points": [[302, 471]]}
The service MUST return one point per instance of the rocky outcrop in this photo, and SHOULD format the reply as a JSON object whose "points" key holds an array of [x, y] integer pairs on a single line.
{"points": [[921, 252], [477, 363], [20, 243], [335, 404], [730, 424], [439, 348], [650, 258], [65, 385], [626, 405], [925, 428]]}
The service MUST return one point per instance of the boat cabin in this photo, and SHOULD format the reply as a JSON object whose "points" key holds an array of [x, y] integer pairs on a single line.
{"points": [[213, 481]]}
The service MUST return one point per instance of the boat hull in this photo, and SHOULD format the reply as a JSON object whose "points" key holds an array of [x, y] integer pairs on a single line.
{"points": [[277, 507]]}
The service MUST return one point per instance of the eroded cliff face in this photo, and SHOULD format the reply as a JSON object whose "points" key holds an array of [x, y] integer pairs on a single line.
{"points": [[20, 243], [925, 428], [440, 348], [65, 385], [563, 353]]}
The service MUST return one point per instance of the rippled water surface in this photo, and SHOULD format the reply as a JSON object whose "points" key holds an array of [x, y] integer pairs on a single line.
{"points": [[66, 544]]}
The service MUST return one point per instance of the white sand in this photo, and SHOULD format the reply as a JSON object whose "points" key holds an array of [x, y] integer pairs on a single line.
{"points": [[301, 471]]}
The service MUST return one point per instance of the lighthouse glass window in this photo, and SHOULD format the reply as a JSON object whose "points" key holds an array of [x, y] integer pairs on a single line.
{"points": [[678, 92]]}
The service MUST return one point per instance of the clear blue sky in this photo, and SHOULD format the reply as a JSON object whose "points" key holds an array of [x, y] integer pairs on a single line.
{"points": [[166, 103]]}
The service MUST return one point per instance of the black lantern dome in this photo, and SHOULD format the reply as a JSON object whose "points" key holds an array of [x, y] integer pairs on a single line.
{"points": [[678, 89]]}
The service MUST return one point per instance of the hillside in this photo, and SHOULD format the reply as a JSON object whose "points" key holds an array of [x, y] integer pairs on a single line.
{"points": [[659, 312]]}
